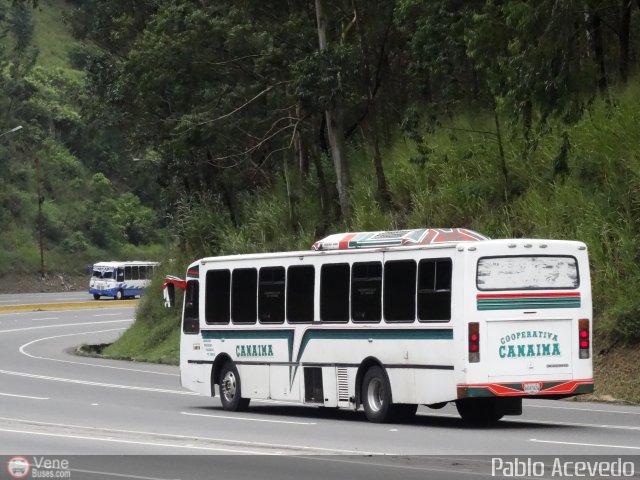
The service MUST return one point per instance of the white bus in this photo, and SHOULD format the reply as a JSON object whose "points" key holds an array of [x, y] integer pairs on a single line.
{"points": [[120, 279], [388, 321]]}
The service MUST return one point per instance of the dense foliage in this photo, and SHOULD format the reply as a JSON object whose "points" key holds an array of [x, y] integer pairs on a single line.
{"points": [[263, 125], [65, 177]]}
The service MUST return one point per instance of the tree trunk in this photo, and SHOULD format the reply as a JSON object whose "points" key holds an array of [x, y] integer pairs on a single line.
{"points": [[323, 192], [598, 49], [335, 128], [503, 160], [382, 192], [623, 35], [301, 151]]}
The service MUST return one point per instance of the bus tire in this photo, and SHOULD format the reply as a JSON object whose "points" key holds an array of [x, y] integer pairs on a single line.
{"points": [[376, 396], [119, 295], [96, 296], [479, 411], [230, 389]]}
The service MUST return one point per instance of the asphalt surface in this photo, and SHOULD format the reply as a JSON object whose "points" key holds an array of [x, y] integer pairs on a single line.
{"points": [[40, 298], [95, 411]]}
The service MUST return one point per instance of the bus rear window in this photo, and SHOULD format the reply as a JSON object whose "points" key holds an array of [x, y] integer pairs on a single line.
{"points": [[532, 272]]}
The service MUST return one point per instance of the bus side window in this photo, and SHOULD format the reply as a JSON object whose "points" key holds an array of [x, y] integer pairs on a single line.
{"points": [[400, 291], [217, 296], [300, 283], [191, 323], [434, 290], [120, 275], [366, 291], [127, 273], [334, 292], [271, 295], [244, 291]]}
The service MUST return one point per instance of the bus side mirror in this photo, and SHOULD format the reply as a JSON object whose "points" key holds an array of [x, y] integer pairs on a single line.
{"points": [[169, 295]]}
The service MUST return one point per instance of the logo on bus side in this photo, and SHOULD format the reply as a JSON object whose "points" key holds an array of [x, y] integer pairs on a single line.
{"points": [[254, 350], [535, 343]]}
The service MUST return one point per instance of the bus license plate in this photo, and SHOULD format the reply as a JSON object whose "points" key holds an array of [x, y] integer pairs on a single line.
{"points": [[531, 388]]}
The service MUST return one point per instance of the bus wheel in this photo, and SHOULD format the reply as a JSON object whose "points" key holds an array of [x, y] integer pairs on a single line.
{"points": [[376, 396], [119, 295], [96, 296], [479, 411], [230, 391]]}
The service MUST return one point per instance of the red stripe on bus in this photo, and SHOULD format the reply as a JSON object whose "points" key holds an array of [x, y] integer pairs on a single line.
{"points": [[500, 390], [344, 243], [527, 295]]}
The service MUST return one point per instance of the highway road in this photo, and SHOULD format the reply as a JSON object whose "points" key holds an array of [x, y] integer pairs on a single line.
{"points": [[9, 299], [93, 411]]}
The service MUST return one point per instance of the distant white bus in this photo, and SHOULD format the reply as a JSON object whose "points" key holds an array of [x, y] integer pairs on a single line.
{"points": [[390, 320], [120, 279]]}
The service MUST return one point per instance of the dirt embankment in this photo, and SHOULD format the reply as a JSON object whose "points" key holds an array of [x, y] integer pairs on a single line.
{"points": [[51, 283]]}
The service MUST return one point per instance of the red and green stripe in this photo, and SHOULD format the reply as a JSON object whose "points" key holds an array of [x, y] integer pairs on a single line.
{"points": [[524, 301], [570, 387]]}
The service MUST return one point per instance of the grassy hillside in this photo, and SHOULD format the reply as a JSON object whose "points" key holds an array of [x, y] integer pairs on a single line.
{"points": [[90, 205], [51, 36]]}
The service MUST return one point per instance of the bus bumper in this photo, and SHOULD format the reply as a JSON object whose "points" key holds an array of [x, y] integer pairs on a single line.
{"points": [[547, 389], [111, 292]]}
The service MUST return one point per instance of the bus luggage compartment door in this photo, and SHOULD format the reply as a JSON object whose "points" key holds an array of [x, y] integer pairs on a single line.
{"points": [[531, 348]]}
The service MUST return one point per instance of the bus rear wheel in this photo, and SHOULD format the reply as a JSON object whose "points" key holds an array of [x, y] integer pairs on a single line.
{"points": [[96, 296], [376, 398], [230, 389], [479, 411]]}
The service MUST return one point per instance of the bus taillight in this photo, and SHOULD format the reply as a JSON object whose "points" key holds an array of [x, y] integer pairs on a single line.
{"points": [[474, 342], [583, 337]]}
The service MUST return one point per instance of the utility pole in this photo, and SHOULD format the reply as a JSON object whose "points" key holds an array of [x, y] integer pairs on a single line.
{"points": [[40, 218]]}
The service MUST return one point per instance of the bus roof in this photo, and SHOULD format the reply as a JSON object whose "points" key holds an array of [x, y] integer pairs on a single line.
{"points": [[115, 263], [442, 244], [398, 238]]}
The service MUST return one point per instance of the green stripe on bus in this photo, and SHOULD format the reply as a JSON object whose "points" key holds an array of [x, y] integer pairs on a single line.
{"points": [[366, 334], [528, 303]]}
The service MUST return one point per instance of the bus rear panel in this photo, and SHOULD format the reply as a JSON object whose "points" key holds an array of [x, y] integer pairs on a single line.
{"points": [[529, 320]]}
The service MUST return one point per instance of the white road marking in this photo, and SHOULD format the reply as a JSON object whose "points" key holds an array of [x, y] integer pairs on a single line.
{"points": [[225, 417], [119, 475], [106, 315], [538, 422], [23, 351], [368, 463], [584, 444], [95, 384], [23, 396], [242, 443], [134, 442], [45, 318], [63, 325], [583, 409]]}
